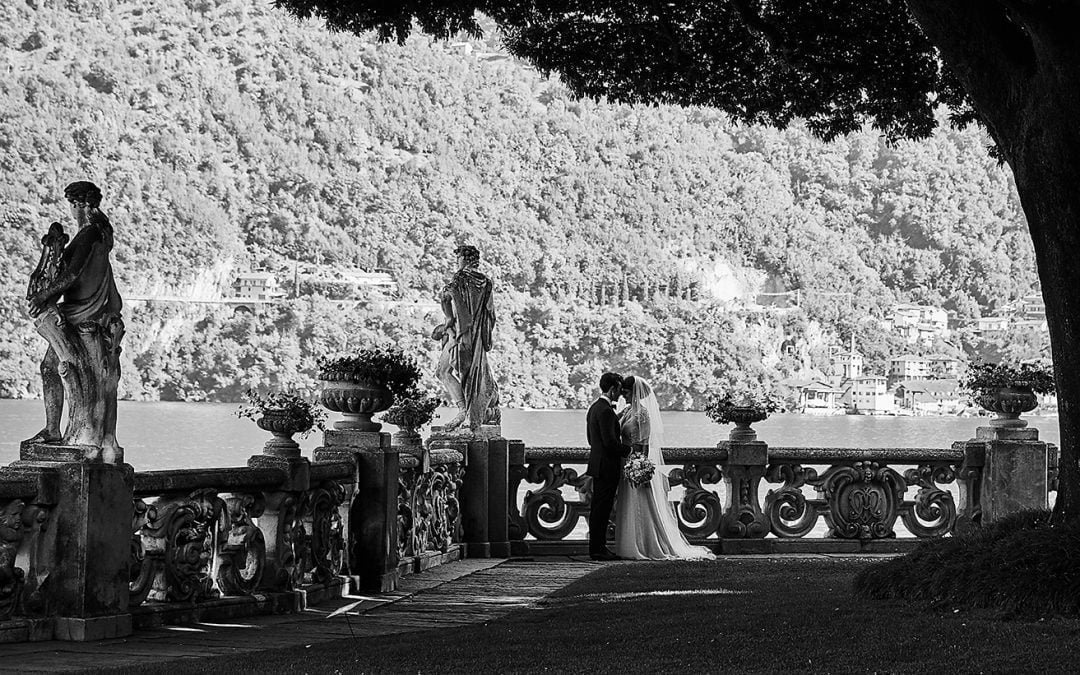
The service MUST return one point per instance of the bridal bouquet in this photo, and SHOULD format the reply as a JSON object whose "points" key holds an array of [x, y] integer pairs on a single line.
{"points": [[639, 470]]}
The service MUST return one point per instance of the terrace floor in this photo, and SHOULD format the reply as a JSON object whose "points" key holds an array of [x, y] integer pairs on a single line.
{"points": [[455, 594]]}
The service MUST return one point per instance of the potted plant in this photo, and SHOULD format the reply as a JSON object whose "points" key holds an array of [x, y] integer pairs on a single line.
{"points": [[365, 382], [1008, 390], [742, 410], [410, 413], [283, 414]]}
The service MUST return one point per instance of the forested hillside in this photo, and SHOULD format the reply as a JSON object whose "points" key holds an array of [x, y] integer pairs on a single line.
{"points": [[227, 136]]}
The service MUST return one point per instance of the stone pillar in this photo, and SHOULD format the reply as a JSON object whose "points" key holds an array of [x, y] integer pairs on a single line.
{"points": [[517, 472], [969, 480], [373, 524], [475, 511], [743, 471], [498, 497], [281, 519], [1014, 476], [88, 585]]}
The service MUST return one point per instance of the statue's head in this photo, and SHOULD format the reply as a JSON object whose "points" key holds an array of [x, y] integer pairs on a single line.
{"points": [[83, 192], [468, 256]]}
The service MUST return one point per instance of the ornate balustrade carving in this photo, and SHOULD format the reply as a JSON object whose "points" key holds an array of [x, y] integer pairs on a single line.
{"points": [[858, 493], [429, 508], [25, 558], [200, 534]]}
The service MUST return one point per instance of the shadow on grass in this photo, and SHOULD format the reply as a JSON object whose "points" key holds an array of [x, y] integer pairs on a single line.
{"points": [[731, 615]]}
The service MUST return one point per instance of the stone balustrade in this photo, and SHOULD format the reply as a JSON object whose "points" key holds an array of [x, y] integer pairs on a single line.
{"points": [[91, 550], [747, 496]]}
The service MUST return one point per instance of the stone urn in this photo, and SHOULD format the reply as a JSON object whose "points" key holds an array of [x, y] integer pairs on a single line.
{"points": [[282, 425], [1009, 403], [742, 417], [357, 400]]}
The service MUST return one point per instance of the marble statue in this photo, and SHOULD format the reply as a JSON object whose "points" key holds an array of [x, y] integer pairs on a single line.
{"points": [[466, 336], [76, 307]]}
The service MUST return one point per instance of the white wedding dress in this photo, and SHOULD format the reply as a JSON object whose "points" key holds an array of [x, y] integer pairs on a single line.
{"points": [[646, 527]]}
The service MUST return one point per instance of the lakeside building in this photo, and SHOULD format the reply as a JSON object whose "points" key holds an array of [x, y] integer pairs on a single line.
{"points": [[870, 395], [815, 397], [908, 367], [1032, 307], [929, 397]]}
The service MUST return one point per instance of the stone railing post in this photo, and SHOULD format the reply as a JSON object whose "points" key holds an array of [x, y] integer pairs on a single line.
{"points": [[281, 521], [1014, 475], [373, 525], [475, 511], [517, 472], [969, 480], [499, 497], [88, 583], [743, 471]]}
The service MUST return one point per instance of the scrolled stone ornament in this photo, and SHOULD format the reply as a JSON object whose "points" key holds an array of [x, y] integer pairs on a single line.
{"points": [[700, 509], [327, 538], [547, 515], [790, 513], [11, 576], [143, 567], [183, 532], [241, 552], [933, 513]]}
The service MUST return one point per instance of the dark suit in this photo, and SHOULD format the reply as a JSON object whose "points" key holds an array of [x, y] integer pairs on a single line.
{"points": [[606, 453]]}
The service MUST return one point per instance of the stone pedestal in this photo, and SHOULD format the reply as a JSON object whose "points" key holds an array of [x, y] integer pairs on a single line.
{"points": [[475, 503], [498, 497], [743, 471], [88, 584], [373, 525], [1014, 476]]}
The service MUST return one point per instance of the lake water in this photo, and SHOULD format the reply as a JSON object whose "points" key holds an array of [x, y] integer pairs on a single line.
{"points": [[159, 435]]}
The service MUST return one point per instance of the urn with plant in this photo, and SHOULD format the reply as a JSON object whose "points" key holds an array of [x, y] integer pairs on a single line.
{"points": [[283, 414], [1009, 390], [410, 413], [365, 382], [742, 410]]}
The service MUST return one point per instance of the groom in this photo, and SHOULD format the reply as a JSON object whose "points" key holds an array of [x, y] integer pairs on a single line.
{"points": [[606, 453]]}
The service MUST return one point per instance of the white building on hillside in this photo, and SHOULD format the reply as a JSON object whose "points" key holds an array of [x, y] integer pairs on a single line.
{"points": [[870, 395], [257, 286]]}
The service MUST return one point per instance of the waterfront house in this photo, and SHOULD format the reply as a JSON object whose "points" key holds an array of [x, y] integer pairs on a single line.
{"points": [[1033, 307], [929, 397], [870, 395], [816, 397]]}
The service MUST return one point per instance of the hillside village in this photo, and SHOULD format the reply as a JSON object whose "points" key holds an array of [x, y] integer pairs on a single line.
{"points": [[914, 385]]}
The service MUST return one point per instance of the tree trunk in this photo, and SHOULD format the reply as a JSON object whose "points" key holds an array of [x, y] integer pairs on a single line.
{"points": [[1020, 68], [1047, 171]]}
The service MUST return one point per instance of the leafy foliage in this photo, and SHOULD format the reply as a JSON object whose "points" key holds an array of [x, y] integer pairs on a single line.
{"points": [[299, 412], [413, 411], [745, 407], [984, 378], [383, 366]]}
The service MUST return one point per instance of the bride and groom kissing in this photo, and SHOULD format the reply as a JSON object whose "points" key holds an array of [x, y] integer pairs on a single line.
{"points": [[646, 527]]}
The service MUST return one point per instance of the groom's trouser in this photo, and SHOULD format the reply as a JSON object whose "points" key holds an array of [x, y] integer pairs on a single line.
{"points": [[603, 499]]}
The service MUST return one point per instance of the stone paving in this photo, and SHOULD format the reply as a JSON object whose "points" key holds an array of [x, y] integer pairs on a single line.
{"points": [[458, 593]]}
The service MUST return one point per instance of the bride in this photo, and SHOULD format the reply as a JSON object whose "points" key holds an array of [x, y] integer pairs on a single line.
{"points": [[645, 524]]}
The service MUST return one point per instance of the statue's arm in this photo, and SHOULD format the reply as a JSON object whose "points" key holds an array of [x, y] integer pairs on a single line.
{"points": [[77, 254]]}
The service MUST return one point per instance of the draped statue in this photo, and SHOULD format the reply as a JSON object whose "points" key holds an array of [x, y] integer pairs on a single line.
{"points": [[466, 336], [76, 307]]}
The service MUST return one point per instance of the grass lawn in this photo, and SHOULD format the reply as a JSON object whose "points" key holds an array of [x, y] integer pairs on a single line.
{"points": [[731, 615]]}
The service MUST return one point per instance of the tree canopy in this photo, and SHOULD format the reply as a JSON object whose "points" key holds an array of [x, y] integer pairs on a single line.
{"points": [[1012, 65]]}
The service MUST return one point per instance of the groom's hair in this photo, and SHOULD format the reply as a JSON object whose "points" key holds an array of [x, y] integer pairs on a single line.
{"points": [[609, 380]]}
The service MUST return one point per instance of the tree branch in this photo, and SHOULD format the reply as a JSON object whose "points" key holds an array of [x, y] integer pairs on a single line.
{"points": [[986, 51]]}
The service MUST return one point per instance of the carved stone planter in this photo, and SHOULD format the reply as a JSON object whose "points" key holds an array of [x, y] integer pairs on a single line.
{"points": [[1009, 403], [408, 438], [357, 401], [278, 423], [742, 418]]}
